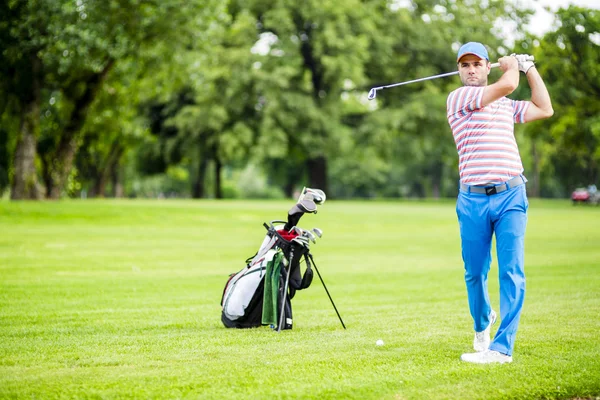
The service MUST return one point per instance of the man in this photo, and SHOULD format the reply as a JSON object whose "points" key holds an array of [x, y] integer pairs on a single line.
{"points": [[492, 198]]}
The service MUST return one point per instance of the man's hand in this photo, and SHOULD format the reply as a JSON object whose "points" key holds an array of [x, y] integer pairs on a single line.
{"points": [[524, 64], [507, 83], [507, 63]]}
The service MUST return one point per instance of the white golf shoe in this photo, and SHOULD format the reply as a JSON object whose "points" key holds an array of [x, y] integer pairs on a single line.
{"points": [[481, 342], [486, 357]]}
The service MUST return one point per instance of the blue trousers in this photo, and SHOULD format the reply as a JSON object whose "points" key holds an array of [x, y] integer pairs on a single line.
{"points": [[504, 215]]}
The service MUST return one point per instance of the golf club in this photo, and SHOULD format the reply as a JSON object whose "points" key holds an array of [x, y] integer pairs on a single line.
{"points": [[301, 240], [318, 232], [373, 92], [304, 235], [310, 236]]}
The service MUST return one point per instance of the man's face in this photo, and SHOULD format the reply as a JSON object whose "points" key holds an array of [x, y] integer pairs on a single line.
{"points": [[473, 70]]}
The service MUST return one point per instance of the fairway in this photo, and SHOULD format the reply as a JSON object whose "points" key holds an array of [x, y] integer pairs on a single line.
{"points": [[120, 299]]}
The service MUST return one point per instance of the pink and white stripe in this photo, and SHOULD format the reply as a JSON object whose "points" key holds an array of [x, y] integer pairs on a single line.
{"points": [[484, 137]]}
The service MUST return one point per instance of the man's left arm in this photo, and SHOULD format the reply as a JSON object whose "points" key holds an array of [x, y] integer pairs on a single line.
{"points": [[541, 105]]}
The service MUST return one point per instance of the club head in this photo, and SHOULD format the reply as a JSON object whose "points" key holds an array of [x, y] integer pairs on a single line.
{"points": [[372, 94], [318, 232], [297, 230], [310, 235], [302, 241]]}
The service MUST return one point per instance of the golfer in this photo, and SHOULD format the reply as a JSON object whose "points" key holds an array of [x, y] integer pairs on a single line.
{"points": [[492, 198]]}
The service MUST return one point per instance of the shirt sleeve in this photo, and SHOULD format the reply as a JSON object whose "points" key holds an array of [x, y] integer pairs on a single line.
{"points": [[464, 100], [520, 109]]}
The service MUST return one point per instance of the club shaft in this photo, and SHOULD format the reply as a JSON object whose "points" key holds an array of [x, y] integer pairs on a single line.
{"points": [[373, 92], [285, 289], [425, 79]]}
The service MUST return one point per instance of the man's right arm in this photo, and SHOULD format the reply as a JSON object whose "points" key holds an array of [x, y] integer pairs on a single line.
{"points": [[541, 106], [507, 83]]}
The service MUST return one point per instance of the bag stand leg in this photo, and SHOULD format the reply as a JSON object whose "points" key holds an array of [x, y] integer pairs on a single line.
{"points": [[285, 290], [330, 299]]}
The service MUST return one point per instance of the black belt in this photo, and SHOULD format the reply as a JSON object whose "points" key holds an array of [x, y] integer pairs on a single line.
{"points": [[493, 189]]}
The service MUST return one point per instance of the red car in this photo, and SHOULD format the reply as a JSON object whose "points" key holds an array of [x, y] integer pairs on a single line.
{"points": [[583, 195]]}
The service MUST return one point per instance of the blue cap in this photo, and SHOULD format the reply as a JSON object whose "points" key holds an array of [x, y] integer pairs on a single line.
{"points": [[475, 48]]}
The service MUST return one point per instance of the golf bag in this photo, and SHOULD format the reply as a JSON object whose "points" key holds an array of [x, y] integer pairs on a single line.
{"points": [[253, 296], [261, 293]]}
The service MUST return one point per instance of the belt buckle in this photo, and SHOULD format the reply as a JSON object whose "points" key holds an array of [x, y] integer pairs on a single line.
{"points": [[490, 190]]}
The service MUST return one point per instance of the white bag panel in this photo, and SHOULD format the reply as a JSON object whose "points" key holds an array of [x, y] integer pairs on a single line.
{"points": [[243, 286]]}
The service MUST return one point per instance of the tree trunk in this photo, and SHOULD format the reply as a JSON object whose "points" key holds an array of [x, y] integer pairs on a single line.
{"points": [[64, 162], [100, 186], [68, 143], [218, 168], [116, 172], [288, 189], [317, 173], [107, 171], [593, 168], [25, 185], [435, 188], [436, 179], [117, 182], [198, 187]]}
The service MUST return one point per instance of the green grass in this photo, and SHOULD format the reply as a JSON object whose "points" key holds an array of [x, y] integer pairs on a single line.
{"points": [[120, 299]]}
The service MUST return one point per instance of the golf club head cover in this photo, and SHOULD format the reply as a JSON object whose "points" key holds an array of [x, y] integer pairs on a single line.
{"points": [[293, 218], [297, 211], [316, 195], [307, 203]]}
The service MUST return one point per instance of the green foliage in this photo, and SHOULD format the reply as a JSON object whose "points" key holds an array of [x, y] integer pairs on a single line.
{"points": [[251, 183], [212, 86], [120, 299], [410, 121], [174, 182], [78, 44], [571, 60], [314, 51], [564, 149]]}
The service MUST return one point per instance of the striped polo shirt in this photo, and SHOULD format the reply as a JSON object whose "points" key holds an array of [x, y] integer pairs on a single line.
{"points": [[484, 137]]}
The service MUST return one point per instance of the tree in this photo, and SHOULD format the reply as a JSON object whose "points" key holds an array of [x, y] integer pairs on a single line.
{"points": [[566, 148], [72, 48], [112, 130], [212, 119], [21, 71], [312, 49], [408, 124]]}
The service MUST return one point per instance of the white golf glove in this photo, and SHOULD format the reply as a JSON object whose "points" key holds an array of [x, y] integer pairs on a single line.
{"points": [[524, 63]]}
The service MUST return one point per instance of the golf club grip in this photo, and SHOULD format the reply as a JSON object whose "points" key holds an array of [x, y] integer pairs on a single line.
{"points": [[495, 65]]}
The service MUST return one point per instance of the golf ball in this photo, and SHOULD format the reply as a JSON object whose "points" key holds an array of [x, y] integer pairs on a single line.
{"points": [[379, 342]]}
